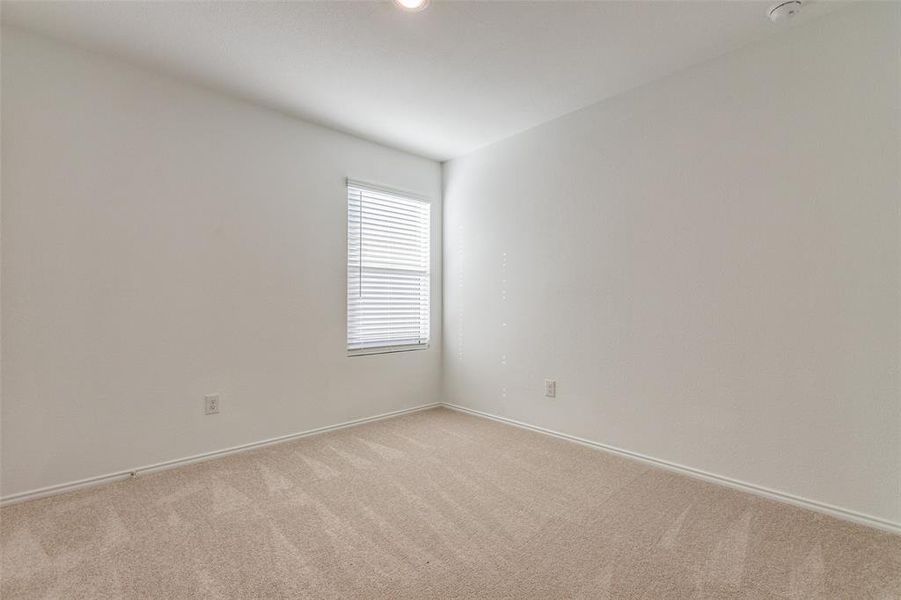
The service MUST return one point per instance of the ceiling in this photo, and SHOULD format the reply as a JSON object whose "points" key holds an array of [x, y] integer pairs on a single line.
{"points": [[440, 83]]}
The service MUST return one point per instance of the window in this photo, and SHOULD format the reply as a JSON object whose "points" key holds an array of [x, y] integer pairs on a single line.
{"points": [[387, 270]]}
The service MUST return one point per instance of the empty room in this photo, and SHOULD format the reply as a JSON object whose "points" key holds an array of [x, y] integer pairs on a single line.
{"points": [[427, 299]]}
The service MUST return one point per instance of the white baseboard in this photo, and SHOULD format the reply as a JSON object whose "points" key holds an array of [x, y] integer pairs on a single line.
{"points": [[821, 507], [170, 464]]}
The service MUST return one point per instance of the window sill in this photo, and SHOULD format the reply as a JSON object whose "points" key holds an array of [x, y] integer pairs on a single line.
{"points": [[386, 350]]}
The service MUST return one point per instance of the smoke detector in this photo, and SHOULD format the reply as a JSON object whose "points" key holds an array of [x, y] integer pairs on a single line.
{"points": [[785, 10]]}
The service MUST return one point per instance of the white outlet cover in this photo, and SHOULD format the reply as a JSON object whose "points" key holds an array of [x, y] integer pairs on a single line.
{"points": [[211, 404], [550, 388]]}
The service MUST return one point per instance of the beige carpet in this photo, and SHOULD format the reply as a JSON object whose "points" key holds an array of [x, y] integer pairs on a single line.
{"points": [[433, 505]]}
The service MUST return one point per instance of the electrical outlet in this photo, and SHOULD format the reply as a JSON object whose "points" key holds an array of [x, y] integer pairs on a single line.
{"points": [[550, 388], [211, 404]]}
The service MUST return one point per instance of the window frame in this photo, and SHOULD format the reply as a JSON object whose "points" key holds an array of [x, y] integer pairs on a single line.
{"points": [[405, 195]]}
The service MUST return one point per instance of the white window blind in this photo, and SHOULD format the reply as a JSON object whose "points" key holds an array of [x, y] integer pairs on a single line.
{"points": [[387, 270]]}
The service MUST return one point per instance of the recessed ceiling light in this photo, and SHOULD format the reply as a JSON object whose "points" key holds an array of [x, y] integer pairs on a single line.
{"points": [[785, 10], [412, 5]]}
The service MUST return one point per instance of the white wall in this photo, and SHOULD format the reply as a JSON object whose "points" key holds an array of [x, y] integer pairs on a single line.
{"points": [[161, 242], [709, 265]]}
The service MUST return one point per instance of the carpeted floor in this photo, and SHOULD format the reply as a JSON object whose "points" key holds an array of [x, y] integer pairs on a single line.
{"points": [[435, 504]]}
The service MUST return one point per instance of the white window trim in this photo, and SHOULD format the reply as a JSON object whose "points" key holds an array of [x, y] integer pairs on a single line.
{"points": [[389, 349]]}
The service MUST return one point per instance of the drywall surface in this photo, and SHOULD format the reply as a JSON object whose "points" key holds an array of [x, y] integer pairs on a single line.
{"points": [[161, 242], [708, 265]]}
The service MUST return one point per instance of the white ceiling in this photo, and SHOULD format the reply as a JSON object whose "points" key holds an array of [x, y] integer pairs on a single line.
{"points": [[441, 82]]}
